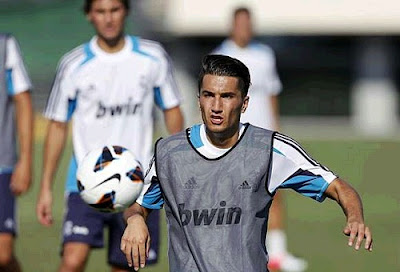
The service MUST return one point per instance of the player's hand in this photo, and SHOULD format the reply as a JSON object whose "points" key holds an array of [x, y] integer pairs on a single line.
{"points": [[357, 232], [44, 208], [21, 179], [135, 242]]}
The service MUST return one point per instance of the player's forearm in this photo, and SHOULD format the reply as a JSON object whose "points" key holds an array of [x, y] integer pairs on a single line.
{"points": [[24, 118], [135, 210], [275, 112], [173, 120], [54, 146], [348, 199]]}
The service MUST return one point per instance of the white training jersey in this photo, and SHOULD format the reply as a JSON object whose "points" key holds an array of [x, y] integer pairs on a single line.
{"points": [[291, 168], [14, 80], [260, 60], [17, 78], [110, 97]]}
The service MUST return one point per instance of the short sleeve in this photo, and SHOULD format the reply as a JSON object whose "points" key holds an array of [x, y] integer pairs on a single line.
{"points": [[151, 195], [293, 168], [62, 97], [16, 75], [166, 93], [271, 80]]}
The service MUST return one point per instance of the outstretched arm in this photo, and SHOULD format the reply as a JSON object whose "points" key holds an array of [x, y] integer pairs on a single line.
{"points": [[135, 242], [351, 204]]}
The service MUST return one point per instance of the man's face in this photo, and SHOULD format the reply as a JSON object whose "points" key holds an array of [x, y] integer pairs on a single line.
{"points": [[108, 17], [242, 28], [221, 103]]}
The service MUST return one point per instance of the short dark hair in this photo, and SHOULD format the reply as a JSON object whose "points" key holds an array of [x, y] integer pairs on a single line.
{"points": [[220, 65], [88, 5], [240, 10]]}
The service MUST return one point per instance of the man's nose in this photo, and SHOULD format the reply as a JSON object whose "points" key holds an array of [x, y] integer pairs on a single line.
{"points": [[217, 105]]}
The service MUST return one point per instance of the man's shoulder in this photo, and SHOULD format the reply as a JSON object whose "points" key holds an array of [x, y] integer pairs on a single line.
{"points": [[261, 47], [73, 56], [148, 47], [172, 141]]}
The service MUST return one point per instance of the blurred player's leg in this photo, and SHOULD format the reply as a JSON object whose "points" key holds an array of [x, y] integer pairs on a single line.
{"points": [[75, 255], [8, 262], [82, 230], [153, 221], [279, 257]]}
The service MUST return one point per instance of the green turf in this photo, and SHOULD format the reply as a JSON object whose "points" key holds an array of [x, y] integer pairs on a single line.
{"points": [[314, 229]]}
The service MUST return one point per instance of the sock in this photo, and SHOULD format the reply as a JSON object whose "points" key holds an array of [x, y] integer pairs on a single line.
{"points": [[276, 242]]}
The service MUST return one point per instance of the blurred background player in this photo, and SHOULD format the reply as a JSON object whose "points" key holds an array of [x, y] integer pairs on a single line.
{"points": [[108, 87], [263, 111], [15, 170]]}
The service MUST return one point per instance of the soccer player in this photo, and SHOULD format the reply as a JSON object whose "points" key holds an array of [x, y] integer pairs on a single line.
{"points": [[217, 181], [15, 170], [108, 88], [263, 111]]}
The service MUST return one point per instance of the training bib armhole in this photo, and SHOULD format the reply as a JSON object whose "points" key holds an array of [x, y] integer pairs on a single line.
{"points": [[270, 166]]}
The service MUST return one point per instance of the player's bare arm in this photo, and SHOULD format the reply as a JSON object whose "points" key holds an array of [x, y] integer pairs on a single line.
{"points": [[274, 100], [173, 120], [135, 241], [351, 204], [22, 176], [54, 145]]}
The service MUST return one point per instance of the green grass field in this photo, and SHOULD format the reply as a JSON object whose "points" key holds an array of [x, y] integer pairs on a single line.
{"points": [[314, 229]]}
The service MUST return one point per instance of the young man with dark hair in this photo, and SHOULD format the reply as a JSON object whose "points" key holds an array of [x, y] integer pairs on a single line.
{"points": [[217, 182], [108, 87], [16, 115], [263, 111]]}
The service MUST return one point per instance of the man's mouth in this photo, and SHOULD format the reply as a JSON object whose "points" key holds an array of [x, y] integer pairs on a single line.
{"points": [[216, 119]]}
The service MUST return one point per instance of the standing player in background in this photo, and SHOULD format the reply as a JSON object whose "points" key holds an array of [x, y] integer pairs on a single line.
{"points": [[15, 170], [108, 88], [263, 111]]}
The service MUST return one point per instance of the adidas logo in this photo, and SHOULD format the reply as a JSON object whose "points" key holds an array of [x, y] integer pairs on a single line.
{"points": [[190, 184], [244, 185]]}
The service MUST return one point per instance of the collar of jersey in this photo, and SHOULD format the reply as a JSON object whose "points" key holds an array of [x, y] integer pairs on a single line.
{"points": [[199, 139], [111, 56]]}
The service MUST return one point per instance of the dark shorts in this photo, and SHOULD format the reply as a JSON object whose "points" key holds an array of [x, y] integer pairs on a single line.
{"points": [[84, 224], [7, 206]]}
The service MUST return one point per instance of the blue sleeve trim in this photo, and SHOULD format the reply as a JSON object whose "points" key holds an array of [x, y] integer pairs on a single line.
{"points": [[277, 151], [153, 198], [321, 196], [71, 108], [307, 185], [10, 85], [158, 98]]}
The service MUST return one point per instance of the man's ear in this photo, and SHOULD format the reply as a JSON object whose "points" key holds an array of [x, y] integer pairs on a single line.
{"points": [[245, 103], [88, 18]]}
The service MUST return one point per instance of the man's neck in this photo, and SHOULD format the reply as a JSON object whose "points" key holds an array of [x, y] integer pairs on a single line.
{"points": [[111, 46], [223, 140], [240, 43]]}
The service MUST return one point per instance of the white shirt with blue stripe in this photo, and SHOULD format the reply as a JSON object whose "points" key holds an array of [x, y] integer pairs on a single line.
{"points": [[16, 76], [110, 97], [292, 168], [17, 79]]}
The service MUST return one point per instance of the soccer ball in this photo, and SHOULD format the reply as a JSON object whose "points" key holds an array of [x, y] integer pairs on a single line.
{"points": [[110, 178]]}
